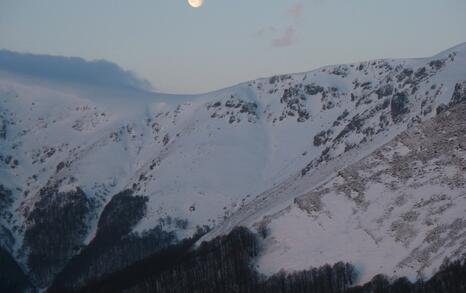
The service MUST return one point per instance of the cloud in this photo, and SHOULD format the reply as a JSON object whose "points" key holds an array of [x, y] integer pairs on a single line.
{"points": [[286, 39], [71, 69], [265, 31], [287, 36], [296, 10]]}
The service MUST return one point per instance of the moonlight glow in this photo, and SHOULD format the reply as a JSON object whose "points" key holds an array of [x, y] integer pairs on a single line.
{"points": [[196, 3]]}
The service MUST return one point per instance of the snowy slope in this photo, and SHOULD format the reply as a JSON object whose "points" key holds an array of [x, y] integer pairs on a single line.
{"points": [[399, 211], [219, 159]]}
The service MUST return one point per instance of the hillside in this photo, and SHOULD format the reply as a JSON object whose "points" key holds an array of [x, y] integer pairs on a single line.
{"points": [[105, 171]]}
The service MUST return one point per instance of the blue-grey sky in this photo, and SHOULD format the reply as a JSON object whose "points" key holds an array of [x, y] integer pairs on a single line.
{"points": [[184, 50]]}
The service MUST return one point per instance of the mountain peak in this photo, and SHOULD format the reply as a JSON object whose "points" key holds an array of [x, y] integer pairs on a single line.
{"points": [[162, 167]]}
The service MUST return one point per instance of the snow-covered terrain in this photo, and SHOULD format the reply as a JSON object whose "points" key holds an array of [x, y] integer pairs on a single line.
{"points": [[235, 156], [399, 211]]}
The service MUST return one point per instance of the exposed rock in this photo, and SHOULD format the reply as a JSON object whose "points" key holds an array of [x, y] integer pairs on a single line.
{"points": [[384, 91], [437, 64], [235, 109], [341, 70], [322, 137], [399, 106], [441, 108], [421, 73], [459, 94], [390, 186], [166, 139], [294, 100], [406, 73], [313, 89]]}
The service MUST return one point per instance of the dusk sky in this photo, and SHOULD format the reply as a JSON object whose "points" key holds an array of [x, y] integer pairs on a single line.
{"points": [[180, 49]]}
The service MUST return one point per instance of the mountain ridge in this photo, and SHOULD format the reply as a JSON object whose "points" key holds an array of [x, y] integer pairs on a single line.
{"points": [[215, 159]]}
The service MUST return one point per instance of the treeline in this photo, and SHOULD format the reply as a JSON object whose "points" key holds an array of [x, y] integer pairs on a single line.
{"points": [[138, 272], [450, 279], [12, 278], [56, 226], [224, 265], [220, 265], [114, 247]]}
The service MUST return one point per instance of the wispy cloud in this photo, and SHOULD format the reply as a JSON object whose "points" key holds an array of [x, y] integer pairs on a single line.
{"points": [[265, 31], [285, 36], [286, 39], [296, 10]]}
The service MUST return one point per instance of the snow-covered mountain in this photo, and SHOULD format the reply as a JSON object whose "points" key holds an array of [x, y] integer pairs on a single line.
{"points": [[400, 211], [316, 156]]}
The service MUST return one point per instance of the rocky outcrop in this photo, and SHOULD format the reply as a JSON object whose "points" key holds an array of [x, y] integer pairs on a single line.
{"points": [[199, 159], [459, 95], [399, 106], [388, 196], [234, 109]]}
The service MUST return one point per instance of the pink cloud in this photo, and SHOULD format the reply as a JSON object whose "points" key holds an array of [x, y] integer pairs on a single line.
{"points": [[286, 39], [296, 10], [265, 31]]}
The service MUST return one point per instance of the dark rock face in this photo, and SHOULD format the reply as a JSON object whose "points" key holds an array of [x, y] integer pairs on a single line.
{"points": [[441, 108], [340, 70], [399, 106], [56, 229], [279, 78], [166, 139], [406, 73], [322, 137], [437, 64], [60, 166], [250, 108], [355, 124], [235, 110], [384, 91], [294, 100], [313, 89], [459, 94], [421, 73]]}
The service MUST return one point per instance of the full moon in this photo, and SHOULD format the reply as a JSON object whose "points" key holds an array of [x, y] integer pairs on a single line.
{"points": [[196, 3]]}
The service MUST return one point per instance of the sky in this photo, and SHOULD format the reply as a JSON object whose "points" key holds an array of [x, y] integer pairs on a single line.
{"points": [[180, 49]]}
